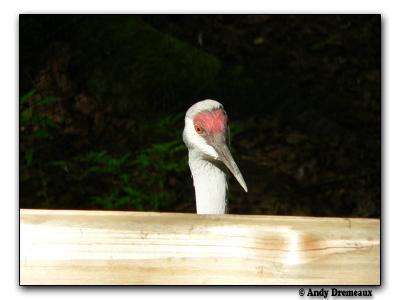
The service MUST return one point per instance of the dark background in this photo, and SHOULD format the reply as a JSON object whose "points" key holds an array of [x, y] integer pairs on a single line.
{"points": [[102, 103]]}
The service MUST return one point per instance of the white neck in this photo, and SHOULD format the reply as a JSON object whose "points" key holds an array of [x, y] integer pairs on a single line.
{"points": [[210, 183]]}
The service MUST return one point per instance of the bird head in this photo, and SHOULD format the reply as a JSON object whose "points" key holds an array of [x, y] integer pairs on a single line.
{"points": [[207, 134]]}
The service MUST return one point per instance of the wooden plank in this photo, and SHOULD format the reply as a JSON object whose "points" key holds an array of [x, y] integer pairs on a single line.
{"points": [[109, 247]]}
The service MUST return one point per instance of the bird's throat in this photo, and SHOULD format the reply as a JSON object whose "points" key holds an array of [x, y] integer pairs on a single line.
{"points": [[211, 185]]}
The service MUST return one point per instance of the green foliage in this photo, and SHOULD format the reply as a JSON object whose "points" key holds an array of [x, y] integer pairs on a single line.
{"points": [[133, 180], [46, 101], [29, 156], [307, 89], [35, 129], [235, 129], [36, 134], [102, 162], [27, 96], [159, 157], [140, 181]]}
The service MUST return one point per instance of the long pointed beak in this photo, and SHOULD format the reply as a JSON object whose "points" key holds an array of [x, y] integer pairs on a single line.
{"points": [[226, 157]]}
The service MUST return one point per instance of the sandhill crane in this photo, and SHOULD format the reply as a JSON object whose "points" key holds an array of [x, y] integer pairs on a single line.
{"points": [[206, 136]]}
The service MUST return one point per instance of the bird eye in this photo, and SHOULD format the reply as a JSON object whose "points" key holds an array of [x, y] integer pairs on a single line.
{"points": [[198, 129]]}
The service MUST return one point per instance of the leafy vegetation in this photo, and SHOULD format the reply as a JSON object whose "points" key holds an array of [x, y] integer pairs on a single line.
{"points": [[135, 181], [102, 102]]}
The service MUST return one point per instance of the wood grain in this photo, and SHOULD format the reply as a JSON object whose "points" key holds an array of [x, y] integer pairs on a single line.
{"points": [[108, 247]]}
